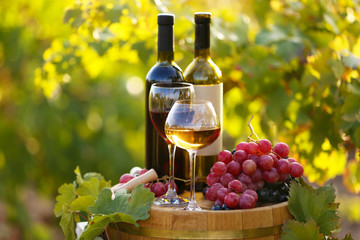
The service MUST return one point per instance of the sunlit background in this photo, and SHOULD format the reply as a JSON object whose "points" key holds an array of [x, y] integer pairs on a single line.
{"points": [[72, 77]]}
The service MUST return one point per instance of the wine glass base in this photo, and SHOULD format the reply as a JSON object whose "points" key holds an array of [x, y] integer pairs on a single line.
{"points": [[196, 208], [171, 202]]}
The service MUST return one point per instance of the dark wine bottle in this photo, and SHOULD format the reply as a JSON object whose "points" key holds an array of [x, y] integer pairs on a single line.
{"points": [[165, 70], [206, 77]]}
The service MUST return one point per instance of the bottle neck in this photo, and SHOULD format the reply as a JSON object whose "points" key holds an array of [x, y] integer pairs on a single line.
{"points": [[165, 56], [202, 40], [165, 43]]}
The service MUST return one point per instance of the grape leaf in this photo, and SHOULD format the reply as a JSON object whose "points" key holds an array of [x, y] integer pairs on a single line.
{"points": [[99, 223], [306, 203], [89, 188], [294, 230], [136, 204], [64, 199], [67, 225], [82, 203]]}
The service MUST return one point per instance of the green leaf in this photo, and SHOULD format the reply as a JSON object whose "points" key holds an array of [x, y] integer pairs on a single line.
{"points": [[64, 199], [89, 188], [305, 204], [82, 203], [67, 224], [138, 206], [98, 224], [294, 230]]}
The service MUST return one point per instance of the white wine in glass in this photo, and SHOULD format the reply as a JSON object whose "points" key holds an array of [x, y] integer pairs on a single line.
{"points": [[192, 125]]}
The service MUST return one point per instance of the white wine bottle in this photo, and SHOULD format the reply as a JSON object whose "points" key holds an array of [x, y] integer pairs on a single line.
{"points": [[206, 77]]}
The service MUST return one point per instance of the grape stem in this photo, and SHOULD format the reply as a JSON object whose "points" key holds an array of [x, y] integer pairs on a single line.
{"points": [[252, 130]]}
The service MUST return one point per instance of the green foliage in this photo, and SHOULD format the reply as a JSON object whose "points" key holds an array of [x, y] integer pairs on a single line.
{"points": [[319, 205], [314, 210], [294, 64], [294, 230], [89, 198]]}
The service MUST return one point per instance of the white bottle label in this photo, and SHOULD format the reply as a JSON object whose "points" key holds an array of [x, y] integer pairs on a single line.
{"points": [[214, 94]]}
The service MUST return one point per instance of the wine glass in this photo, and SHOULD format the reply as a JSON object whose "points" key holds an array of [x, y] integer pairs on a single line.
{"points": [[162, 97], [192, 125]]}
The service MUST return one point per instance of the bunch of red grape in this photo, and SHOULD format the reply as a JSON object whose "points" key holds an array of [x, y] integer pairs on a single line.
{"points": [[158, 188], [234, 179]]}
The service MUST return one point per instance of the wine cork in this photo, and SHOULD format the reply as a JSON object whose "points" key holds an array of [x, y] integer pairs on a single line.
{"points": [[149, 176]]}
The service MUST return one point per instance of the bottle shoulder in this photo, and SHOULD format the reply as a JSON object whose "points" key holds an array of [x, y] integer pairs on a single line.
{"points": [[202, 71], [165, 71]]}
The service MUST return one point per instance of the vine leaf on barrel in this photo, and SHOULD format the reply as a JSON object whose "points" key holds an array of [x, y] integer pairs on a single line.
{"points": [[294, 230], [317, 204]]}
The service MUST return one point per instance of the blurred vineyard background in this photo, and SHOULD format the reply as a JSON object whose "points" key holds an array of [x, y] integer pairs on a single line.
{"points": [[72, 91]]}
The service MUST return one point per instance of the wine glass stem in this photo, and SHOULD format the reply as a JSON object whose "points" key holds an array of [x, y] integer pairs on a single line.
{"points": [[192, 203], [171, 193]]}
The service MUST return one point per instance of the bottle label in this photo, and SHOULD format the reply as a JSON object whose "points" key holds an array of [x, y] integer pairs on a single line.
{"points": [[214, 94]]}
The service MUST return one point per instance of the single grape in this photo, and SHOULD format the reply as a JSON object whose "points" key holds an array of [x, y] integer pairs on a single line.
{"points": [[222, 192], [204, 190], [252, 148], [240, 156], [263, 194], [226, 178], [216, 207], [291, 160], [219, 168], [271, 175], [234, 168], [244, 178], [283, 166], [264, 145], [252, 193], [243, 187], [282, 198], [224, 207], [212, 178], [283, 177], [218, 202], [225, 156], [252, 186], [246, 201], [126, 177], [259, 184], [296, 169], [147, 185], [231, 200], [211, 194], [235, 186], [274, 196], [167, 186], [284, 189], [282, 149], [255, 158], [241, 146], [257, 176], [158, 188], [266, 162], [249, 167], [275, 158]]}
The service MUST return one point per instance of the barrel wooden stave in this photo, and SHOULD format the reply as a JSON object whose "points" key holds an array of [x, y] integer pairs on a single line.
{"points": [[260, 223]]}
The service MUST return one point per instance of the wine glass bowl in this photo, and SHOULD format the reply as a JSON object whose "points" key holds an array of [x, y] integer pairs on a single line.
{"points": [[192, 124], [162, 97]]}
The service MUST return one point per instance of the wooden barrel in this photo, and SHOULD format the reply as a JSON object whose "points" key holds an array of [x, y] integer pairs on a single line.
{"points": [[263, 222]]}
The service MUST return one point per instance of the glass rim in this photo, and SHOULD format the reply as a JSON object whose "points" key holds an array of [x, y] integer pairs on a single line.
{"points": [[193, 101], [172, 85]]}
